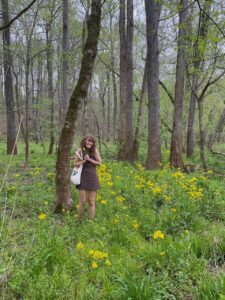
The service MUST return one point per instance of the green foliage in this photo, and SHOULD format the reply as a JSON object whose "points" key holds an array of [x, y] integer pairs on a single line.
{"points": [[157, 235]]}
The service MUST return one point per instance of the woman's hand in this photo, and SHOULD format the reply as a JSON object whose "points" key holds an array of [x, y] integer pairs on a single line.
{"points": [[86, 157]]}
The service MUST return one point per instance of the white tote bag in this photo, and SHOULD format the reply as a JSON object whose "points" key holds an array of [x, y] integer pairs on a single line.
{"points": [[76, 173]]}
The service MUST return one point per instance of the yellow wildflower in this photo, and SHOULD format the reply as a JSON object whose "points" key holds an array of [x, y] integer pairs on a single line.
{"points": [[42, 216], [94, 265], [162, 253], [173, 209], [135, 224], [120, 199], [150, 183], [178, 175], [99, 255], [139, 186], [104, 202], [108, 263], [91, 252], [158, 235], [167, 198], [79, 246], [156, 190]]}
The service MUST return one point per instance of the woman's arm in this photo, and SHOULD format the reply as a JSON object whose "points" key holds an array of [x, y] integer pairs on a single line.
{"points": [[97, 161]]}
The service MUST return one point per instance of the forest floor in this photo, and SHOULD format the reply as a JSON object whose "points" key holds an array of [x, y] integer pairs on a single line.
{"points": [[157, 234]]}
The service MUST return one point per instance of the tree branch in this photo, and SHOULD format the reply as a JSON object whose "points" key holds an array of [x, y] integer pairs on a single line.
{"points": [[17, 16], [214, 22], [209, 83], [167, 91]]}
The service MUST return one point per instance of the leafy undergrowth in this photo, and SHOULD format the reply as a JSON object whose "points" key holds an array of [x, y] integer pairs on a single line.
{"points": [[156, 235]]}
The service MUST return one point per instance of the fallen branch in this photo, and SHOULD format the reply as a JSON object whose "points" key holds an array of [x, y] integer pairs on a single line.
{"points": [[215, 152]]}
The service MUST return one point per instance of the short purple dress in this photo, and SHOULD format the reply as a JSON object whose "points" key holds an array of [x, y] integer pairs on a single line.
{"points": [[89, 177]]}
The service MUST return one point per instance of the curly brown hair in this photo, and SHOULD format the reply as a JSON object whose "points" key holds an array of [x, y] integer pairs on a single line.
{"points": [[83, 144]]}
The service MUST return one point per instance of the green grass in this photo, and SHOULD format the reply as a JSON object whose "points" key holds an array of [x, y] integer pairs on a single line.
{"points": [[51, 258]]}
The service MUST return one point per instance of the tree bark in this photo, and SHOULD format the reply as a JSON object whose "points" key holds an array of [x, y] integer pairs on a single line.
{"points": [[27, 88], [65, 58], [8, 83], [202, 134], [114, 83], [153, 10], [63, 195], [198, 56], [50, 85], [219, 127], [140, 116], [176, 140], [108, 131], [27, 105], [86, 120], [126, 82], [18, 106], [191, 117]]}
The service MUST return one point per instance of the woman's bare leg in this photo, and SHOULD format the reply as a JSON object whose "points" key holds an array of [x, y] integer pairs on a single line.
{"points": [[91, 201], [81, 204]]}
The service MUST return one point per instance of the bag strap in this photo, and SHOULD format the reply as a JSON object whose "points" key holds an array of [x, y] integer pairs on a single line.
{"points": [[80, 156]]}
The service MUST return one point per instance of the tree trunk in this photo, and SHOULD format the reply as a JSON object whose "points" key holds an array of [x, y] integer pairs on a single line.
{"points": [[176, 140], [197, 58], [27, 104], [114, 84], [218, 129], [63, 195], [108, 133], [140, 116], [191, 116], [33, 101], [38, 96], [17, 96], [86, 121], [65, 56], [126, 82], [153, 9], [50, 85], [202, 134], [8, 83], [27, 88], [102, 94]]}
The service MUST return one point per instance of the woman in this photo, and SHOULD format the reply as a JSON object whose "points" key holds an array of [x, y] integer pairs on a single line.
{"points": [[89, 179]]}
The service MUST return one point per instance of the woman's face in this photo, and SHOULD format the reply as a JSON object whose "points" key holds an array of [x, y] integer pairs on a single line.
{"points": [[89, 143]]}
